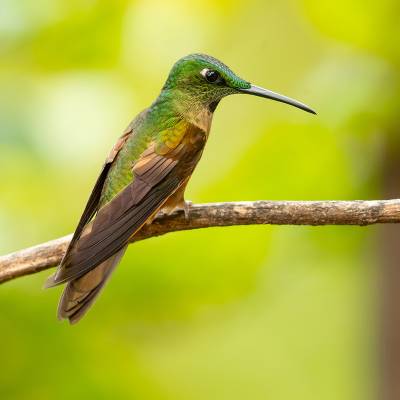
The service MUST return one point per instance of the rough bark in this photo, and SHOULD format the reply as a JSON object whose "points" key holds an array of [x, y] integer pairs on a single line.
{"points": [[49, 254]]}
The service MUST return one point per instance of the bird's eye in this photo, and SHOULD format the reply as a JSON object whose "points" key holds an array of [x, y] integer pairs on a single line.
{"points": [[210, 75]]}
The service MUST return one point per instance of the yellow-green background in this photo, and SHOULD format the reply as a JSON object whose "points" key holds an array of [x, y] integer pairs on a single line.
{"points": [[276, 313]]}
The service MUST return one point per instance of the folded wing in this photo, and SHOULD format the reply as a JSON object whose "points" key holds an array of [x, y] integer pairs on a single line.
{"points": [[156, 178]]}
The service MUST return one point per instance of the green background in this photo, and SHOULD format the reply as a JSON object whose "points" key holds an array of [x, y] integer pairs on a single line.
{"points": [[228, 313]]}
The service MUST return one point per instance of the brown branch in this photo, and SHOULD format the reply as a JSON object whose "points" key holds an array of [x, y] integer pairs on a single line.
{"points": [[47, 255]]}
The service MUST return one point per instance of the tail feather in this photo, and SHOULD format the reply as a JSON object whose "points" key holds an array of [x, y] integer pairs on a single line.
{"points": [[80, 293]]}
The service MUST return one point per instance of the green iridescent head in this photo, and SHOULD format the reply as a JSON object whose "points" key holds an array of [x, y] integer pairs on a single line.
{"points": [[204, 79]]}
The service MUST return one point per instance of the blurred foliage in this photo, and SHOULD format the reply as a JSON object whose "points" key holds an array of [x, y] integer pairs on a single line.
{"points": [[244, 312]]}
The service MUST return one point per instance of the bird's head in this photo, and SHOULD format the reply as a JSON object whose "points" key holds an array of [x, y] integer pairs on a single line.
{"points": [[205, 80]]}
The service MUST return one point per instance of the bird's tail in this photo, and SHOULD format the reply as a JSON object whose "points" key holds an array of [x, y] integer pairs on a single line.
{"points": [[80, 293]]}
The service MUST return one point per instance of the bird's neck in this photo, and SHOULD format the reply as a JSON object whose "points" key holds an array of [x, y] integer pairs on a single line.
{"points": [[188, 108], [200, 117]]}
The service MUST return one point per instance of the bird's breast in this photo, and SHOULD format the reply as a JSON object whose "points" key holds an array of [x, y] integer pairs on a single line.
{"points": [[202, 119]]}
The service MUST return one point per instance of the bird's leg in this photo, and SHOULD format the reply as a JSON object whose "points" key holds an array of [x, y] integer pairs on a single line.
{"points": [[169, 208], [177, 202]]}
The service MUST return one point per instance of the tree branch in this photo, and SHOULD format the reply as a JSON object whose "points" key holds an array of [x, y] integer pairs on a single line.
{"points": [[47, 255]]}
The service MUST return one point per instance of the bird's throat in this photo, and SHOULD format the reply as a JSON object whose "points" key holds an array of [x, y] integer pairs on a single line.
{"points": [[189, 108], [201, 118]]}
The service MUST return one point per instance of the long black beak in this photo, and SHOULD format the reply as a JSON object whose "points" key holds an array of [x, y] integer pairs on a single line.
{"points": [[269, 94]]}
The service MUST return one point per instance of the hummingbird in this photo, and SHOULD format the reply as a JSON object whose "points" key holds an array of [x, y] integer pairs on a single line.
{"points": [[147, 172]]}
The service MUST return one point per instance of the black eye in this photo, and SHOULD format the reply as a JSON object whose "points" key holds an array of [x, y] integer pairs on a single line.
{"points": [[211, 76]]}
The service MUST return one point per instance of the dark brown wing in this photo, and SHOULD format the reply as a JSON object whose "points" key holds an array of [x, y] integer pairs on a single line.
{"points": [[79, 294], [92, 205], [156, 178]]}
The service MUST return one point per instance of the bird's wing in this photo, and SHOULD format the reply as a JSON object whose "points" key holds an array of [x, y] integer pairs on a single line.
{"points": [[79, 294], [92, 205], [158, 173]]}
